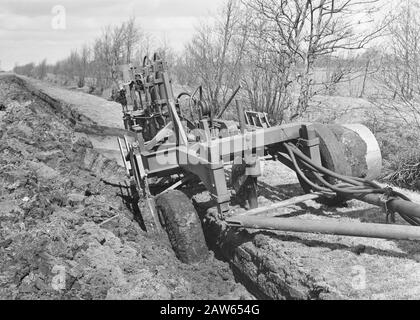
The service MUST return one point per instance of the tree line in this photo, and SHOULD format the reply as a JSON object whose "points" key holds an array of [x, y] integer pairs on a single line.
{"points": [[272, 48], [97, 65]]}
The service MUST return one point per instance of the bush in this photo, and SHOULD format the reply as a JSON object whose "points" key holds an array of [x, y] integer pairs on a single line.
{"points": [[400, 147], [404, 169]]}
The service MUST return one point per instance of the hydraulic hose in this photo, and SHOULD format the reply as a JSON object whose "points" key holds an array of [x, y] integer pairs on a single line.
{"points": [[353, 185]]}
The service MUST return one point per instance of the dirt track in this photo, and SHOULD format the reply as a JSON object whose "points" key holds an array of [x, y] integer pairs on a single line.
{"points": [[52, 210], [66, 214]]}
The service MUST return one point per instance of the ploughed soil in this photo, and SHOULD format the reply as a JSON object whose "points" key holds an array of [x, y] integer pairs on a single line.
{"points": [[67, 209], [69, 223]]}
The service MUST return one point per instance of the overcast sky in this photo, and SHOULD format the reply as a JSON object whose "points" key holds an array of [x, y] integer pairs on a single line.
{"points": [[27, 33]]}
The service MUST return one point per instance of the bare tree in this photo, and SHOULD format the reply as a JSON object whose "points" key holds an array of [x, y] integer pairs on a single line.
{"points": [[166, 52], [349, 75], [265, 76], [26, 70], [271, 47], [214, 55], [301, 31], [400, 74], [132, 35], [109, 53], [71, 65], [41, 69], [83, 66], [118, 45]]}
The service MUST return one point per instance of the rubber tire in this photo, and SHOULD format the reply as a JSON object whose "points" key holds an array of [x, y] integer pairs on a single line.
{"points": [[180, 220], [333, 158]]}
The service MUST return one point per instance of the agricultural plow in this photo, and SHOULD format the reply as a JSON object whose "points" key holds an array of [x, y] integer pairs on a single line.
{"points": [[181, 141]]}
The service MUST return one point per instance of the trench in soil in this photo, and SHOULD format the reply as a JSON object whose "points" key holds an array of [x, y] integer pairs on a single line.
{"points": [[279, 265], [110, 256], [108, 146], [104, 140]]}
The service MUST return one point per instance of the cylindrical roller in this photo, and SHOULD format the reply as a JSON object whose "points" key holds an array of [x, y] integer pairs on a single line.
{"points": [[349, 150], [361, 150], [332, 151], [373, 156]]}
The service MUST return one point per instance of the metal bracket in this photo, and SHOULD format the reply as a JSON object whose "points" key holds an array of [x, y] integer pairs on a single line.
{"points": [[385, 199], [310, 143]]}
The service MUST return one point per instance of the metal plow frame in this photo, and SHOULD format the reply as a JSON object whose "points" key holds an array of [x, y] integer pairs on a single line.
{"points": [[208, 158]]}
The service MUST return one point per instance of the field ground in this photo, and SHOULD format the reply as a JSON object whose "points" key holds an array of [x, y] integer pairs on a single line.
{"points": [[281, 265], [66, 214]]}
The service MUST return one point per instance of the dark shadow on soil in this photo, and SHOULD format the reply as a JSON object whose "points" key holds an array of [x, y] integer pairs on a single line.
{"points": [[130, 197], [279, 193], [248, 284], [235, 239], [335, 246]]}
